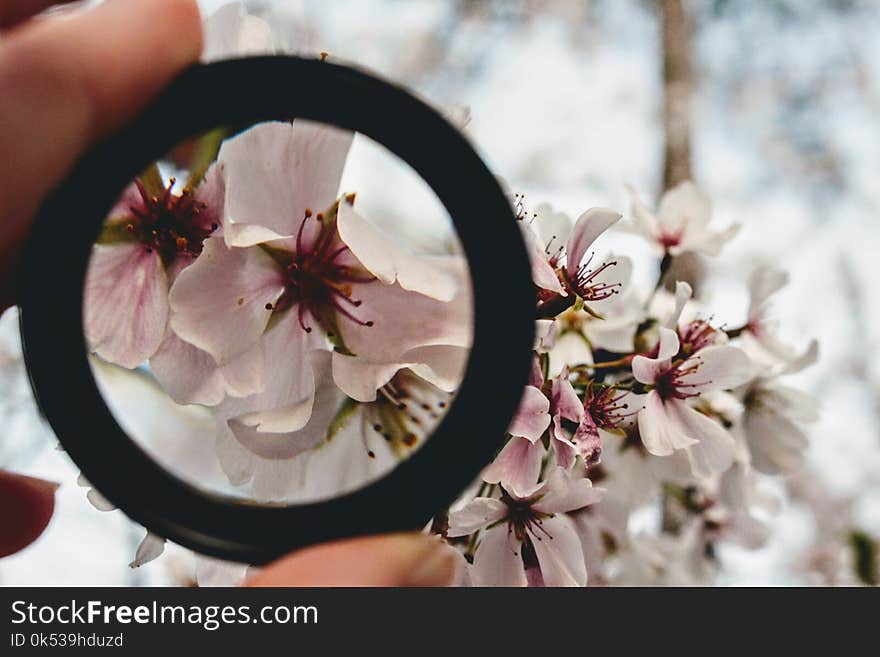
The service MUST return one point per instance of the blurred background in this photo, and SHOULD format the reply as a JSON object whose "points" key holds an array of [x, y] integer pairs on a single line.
{"points": [[772, 106]]}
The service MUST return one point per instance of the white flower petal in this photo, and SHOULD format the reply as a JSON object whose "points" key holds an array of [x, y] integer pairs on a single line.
{"points": [[721, 367], [360, 378], [391, 263], [231, 32], [661, 434], [588, 227], [480, 512], [564, 492], [715, 447], [764, 282], [571, 348], [150, 548], [776, 444], [285, 402], [440, 365], [683, 294], [685, 207], [274, 172]]}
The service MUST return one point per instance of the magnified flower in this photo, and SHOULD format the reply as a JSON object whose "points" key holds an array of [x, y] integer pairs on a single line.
{"points": [[307, 275], [681, 223], [667, 422], [231, 31], [152, 234], [531, 532]]}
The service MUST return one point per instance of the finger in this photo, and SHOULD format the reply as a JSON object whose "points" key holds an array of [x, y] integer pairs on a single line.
{"points": [[13, 12], [69, 81], [391, 560], [26, 506]]}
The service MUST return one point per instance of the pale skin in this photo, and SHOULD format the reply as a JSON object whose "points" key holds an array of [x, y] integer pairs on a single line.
{"points": [[65, 83]]}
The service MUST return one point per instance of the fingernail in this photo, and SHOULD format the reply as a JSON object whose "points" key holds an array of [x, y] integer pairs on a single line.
{"points": [[43, 485], [436, 565]]}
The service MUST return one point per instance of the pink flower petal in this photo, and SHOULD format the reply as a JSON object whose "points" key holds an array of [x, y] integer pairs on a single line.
{"points": [[192, 376], [125, 303], [274, 172], [498, 560], [403, 321], [564, 400], [565, 450], [543, 275], [647, 370], [517, 467], [588, 227], [533, 417], [559, 552], [219, 302]]}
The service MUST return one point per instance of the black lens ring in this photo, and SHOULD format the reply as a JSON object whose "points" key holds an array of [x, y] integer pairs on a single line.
{"points": [[244, 92]]}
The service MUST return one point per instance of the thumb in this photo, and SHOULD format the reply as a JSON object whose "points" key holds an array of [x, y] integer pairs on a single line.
{"points": [[390, 560], [26, 506]]}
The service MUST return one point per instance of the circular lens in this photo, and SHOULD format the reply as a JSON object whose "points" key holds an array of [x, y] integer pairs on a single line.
{"points": [[279, 312], [214, 427]]}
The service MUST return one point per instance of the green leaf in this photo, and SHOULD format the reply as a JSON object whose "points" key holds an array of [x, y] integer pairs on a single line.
{"points": [[152, 181], [341, 418], [206, 148], [115, 231]]}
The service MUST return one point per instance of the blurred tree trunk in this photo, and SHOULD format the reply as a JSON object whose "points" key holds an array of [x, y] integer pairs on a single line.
{"points": [[677, 87]]}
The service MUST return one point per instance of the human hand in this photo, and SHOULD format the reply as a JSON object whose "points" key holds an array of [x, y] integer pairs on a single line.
{"points": [[66, 82]]}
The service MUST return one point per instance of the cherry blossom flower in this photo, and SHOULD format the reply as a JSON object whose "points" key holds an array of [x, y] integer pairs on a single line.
{"points": [[773, 415], [231, 31], [681, 223], [559, 251], [667, 422], [151, 235], [759, 332], [523, 533], [304, 276]]}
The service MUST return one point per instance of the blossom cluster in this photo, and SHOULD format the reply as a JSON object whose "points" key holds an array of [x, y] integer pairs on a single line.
{"points": [[325, 352], [638, 406]]}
